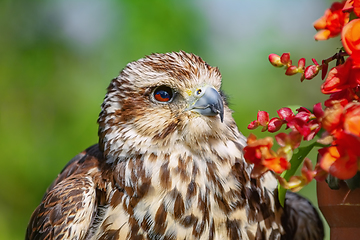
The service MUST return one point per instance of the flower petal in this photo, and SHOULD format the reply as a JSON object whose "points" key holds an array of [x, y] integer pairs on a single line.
{"points": [[350, 36]]}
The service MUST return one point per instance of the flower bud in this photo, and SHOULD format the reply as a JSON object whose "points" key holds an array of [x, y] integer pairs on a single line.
{"points": [[275, 60], [285, 113], [301, 63], [318, 111], [263, 118], [253, 125], [311, 71], [314, 61], [324, 70], [291, 70], [274, 124], [285, 59]]}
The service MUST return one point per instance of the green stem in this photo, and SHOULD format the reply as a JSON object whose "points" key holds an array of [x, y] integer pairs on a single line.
{"points": [[295, 162]]}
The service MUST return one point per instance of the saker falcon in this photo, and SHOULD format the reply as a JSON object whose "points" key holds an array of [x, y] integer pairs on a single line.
{"points": [[169, 165]]}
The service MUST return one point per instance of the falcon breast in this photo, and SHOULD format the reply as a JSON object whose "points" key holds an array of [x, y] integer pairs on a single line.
{"points": [[169, 165]]}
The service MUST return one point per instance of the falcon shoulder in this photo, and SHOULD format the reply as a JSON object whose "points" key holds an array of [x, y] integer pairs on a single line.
{"points": [[68, 207]]}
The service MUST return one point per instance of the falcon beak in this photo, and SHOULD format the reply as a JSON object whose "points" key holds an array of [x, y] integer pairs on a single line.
{"points": [[207, 101]]}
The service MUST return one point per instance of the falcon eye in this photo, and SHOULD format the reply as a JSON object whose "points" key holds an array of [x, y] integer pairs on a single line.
{"points": [[163, 94], [199, 92]]}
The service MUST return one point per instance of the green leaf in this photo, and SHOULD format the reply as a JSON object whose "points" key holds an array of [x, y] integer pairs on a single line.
{"points": [[281, 194], [354, 182], [333, 182], [295, 162]]}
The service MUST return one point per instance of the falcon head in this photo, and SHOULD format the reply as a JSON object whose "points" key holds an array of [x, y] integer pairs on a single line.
{"points": [[164, 99]]}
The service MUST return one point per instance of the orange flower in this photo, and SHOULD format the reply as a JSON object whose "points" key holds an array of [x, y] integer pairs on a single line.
{"points": [[352, 5], [259, 153], [342, 77], [296, 183], [276, 164], [350, 37], [356, 6], [332, 119], [342, 118], [258, 149], [348, 7], [352, 118], [341, 159], [331, 24]]}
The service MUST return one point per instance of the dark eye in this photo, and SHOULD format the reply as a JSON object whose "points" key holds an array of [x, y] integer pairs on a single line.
{"points": [[163, 94]]}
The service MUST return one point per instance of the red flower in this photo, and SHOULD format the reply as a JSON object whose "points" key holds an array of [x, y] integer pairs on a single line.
{"points": [[341, 159], [331, 24], [356, 6], [306, 123], [259, 153], [262, 120], [275, 124], [285, 115], [350, 37], [257, 149], [342, 77], [348, 7], [293, 139], [343, 97], [276, 164], [352, 5], [296, 183], [339, 118]]}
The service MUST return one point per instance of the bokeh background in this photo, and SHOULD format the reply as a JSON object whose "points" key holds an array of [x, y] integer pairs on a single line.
{"points": [[57, 58]]}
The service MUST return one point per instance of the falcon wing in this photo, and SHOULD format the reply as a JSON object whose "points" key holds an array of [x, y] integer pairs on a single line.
{"points": [[68, 207], [300, 219]]}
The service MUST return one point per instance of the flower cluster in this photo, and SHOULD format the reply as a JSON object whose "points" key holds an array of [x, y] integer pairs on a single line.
{"points": [[337, 125]]}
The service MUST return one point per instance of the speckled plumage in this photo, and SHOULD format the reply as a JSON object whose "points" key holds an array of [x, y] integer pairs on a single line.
{"points": [[166, 171]]}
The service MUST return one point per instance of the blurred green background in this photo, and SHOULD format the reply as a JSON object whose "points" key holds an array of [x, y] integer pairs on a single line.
{"points": [[57, 58]]}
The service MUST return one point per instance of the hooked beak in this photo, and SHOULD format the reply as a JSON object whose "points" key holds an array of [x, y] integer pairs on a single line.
{"points": [[207, 101]]}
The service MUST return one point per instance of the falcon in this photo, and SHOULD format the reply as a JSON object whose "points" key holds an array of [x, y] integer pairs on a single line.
{"points": [[168, 165]]}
